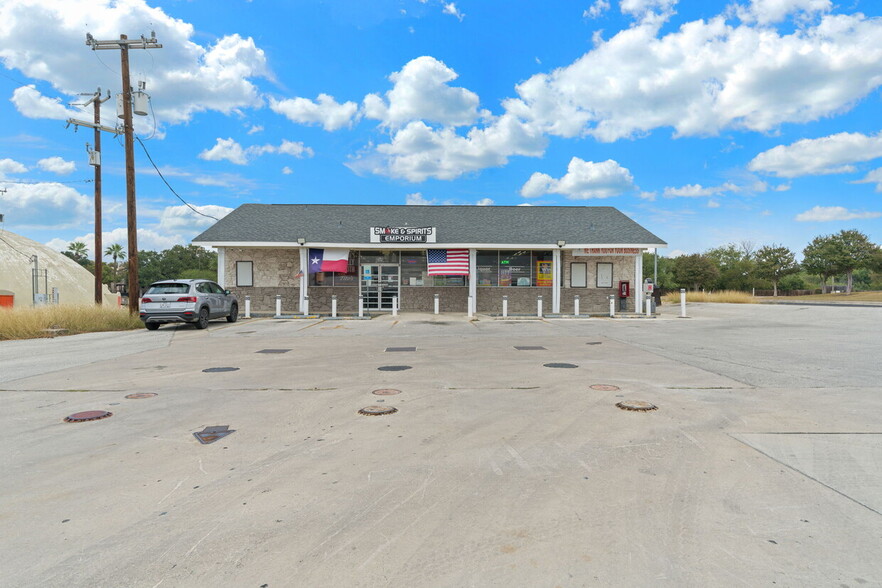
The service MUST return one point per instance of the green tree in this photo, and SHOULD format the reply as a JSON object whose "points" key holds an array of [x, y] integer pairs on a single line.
{"points": [[117, 253], [820, 258], [773, 262], [854, 251], [736, 265], [190, 261], [79, 252], [665, 275], [695, 271]]}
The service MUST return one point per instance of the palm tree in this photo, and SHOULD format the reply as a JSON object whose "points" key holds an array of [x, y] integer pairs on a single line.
{"points": [[77, 250], [116, 252]]}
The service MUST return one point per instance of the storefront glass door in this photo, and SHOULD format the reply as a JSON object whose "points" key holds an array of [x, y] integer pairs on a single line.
{"points": [[379, 284]]}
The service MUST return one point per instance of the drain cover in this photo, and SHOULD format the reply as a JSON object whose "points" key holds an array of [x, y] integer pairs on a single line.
{"points": [[390, 349], [212, 434], [377, 410], [140, 395], [604, 387], [636, 405], [274, 351], [220, 369], [393, 368], [386, 392], [89, 415], [529, 348], [593, 343], [560, 365]]}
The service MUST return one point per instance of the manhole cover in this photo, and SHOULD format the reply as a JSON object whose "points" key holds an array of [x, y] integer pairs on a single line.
{"points": [[220, 369], [140, 395], [391, 349], [377, 410], [393, 368], [89, 415], [604, 387], [529, 348], [593, 343], [212, 434], [636, 405], [560, 365], [274, 351], [386, 392], [245, 332]]}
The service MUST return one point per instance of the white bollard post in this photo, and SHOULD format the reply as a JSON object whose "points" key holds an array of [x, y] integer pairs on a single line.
{"points": [[306, 306], [360, 306], [612, 306], [334, 306], [278, 306], [539, 306], [395, 306], [504, 306], [437, 303], [248, 307], [682, 302], [576, 305], [471, 312], [648, 303]]}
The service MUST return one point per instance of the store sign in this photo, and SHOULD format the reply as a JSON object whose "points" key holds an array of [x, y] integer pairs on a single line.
{"points": [[597, 251], [403, 234]]}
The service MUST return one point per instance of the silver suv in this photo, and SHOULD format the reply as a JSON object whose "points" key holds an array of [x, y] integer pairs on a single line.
{"points": [[187, 301]]}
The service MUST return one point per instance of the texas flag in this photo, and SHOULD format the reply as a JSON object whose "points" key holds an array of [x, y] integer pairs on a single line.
{"points": [[328, 260]]}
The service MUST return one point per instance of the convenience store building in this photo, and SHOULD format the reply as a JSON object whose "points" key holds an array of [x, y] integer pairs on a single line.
{"points": [[307, 253]]}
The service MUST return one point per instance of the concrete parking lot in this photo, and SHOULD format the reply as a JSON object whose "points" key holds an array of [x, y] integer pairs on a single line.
{"points": [[762, 465]]}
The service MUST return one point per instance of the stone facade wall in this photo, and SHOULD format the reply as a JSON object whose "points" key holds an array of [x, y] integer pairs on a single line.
{"points": [[274, 271]]}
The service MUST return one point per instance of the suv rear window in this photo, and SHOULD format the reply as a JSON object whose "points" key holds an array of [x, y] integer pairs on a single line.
{"points": [[169, 289]]}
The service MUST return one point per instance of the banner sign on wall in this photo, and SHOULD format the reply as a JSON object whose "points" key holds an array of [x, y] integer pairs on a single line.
{"points": [[403, 234], [593, 251]]}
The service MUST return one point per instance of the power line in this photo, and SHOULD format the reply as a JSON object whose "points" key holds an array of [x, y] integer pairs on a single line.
{"points": [[147, 153], [35, 182], [11, 246]]}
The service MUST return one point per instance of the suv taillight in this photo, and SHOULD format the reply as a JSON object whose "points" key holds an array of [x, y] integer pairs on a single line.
{"points": [[146, 300], [187, 299]]}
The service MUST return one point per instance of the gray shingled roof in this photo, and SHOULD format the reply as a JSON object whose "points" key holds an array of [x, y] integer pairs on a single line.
{"points": [[350, 223]]}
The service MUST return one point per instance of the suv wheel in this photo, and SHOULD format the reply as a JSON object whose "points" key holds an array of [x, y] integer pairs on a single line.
{"points": [[202, 321], [151, 326], [234, 314]]}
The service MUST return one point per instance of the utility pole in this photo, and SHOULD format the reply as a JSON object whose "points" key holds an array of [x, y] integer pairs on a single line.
{"points": [[95, 161], [123, 44]]}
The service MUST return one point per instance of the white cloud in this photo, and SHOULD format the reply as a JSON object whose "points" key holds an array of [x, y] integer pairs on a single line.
{"points": [[771, 11], [230, 150], [713, 204], [324, 111], [255, 129], [417, 199], [418, 152], [834, 154], [420, 92], [57, 165], [833, 213], [451, 9], [872, 177], [650, 196], [32, 104], [583, 180], [148, 240], [287, 171], [643, 8], [185, 77], [705, 77], [11, 166], [596, 9], [698, 191], [44, 204], [485, 202], [184, 219]]}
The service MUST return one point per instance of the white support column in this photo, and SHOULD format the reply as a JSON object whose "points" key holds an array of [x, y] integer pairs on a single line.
{"points": [[221, 267], [637, 287], [555, 281], [473, 281], [304, 270]]}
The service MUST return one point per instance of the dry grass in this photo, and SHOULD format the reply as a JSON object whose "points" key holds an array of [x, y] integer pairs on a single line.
{"points": [[32, 323], [728, 296], [853, 297]]}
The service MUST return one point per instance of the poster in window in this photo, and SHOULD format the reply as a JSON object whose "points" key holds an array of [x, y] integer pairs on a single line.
{"points": [[544, 273]]}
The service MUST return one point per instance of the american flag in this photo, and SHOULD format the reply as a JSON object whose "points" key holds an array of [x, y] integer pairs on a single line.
{"points": [[448, 262]]}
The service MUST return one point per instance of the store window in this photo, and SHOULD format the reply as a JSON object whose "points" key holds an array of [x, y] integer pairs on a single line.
{"points": [[604, 275], [244, 273], [414, 271], [487, 266], [338, 279], [578, 275], [515, 268]]}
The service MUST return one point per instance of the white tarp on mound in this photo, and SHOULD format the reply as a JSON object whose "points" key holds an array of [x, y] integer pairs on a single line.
{"points": [[76, 285]]}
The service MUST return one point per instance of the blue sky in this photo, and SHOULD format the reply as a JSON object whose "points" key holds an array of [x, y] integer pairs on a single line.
{"points": [[707, 122]]}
